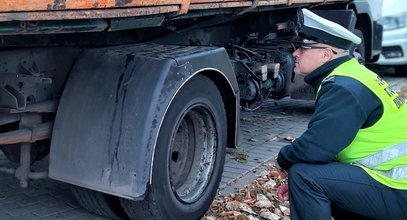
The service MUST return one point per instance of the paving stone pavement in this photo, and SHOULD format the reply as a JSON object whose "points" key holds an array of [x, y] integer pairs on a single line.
{"points": [[262, 134]]}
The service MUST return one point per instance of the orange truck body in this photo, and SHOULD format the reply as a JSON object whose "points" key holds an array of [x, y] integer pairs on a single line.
{"points": [[30, 10]]}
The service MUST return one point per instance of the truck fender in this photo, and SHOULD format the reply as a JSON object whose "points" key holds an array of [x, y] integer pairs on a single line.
{"points": [[112, 106]]}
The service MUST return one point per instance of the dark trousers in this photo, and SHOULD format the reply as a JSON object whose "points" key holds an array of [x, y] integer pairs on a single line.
{"points": [[319, 191]]}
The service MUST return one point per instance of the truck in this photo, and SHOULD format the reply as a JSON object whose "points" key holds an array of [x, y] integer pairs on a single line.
{"points": [[134, 103]]}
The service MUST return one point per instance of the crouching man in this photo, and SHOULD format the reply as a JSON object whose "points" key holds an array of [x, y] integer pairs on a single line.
{"points": [[351, 163]]}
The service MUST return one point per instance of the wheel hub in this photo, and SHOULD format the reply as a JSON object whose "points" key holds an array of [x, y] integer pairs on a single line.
{"points": [[192, 153]]}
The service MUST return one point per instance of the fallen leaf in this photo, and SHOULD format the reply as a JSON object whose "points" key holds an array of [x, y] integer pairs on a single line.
{"points": [[250, 217], [240, 157], [263, 202], [248, 195], [283, 208], [289, 138], [209, 218], [274, 173], [269, 185], [232, 206], [245, 208], [230, 213], [270, 139], [249, 201], [277, 212], [269, 215]]}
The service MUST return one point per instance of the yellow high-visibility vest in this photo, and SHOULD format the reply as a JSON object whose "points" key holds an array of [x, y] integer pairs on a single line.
{"points": [[381, 149]]}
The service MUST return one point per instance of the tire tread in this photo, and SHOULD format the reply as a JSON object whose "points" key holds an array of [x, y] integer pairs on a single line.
{"points": [[99, 203]]}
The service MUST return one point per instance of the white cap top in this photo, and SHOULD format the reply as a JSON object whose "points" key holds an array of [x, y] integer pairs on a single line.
{"points": [[319, 29]]}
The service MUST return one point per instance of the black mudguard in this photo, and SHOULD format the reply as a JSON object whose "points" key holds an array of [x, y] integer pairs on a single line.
{"points": [[112, 108]]}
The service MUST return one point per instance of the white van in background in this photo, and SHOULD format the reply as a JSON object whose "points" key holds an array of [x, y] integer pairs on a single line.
{"points": [[394, 44]]}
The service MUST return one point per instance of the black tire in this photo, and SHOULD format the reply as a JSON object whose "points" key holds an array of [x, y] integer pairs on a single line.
{"points": [[189, 156], [359, 50], [99, 203], [400, 70]]}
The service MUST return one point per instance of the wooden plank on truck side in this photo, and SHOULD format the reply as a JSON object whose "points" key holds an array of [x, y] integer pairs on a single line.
{"points": [[44, 5], [41, 5], [87, 14], [212, 4], [37, 10]]}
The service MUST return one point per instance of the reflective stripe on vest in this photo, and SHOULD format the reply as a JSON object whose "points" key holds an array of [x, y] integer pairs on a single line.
{"points": [[396, 173], [384, 156]]}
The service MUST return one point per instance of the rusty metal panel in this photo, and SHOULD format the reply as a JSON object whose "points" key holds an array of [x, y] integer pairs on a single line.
{"points": [[86, 14], [213, 4], [63, 5], [27, 10], [41, 5]]}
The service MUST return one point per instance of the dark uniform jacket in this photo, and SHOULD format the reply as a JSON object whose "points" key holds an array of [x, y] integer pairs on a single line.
{"points": [[343, 106]]}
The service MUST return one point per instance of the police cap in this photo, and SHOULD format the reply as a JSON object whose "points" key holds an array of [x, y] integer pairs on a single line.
{"points": [[319, 29]]}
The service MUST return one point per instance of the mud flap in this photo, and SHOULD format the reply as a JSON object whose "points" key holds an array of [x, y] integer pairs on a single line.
{"points": [[112, 108]]}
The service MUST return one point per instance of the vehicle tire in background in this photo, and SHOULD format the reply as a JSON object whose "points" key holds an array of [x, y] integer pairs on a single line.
{"points": [[99, 203], [401, 70], [188, 158], [359, 50]]}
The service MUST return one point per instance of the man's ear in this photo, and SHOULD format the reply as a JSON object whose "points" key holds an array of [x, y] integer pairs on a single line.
{"points": [[327, 55]]}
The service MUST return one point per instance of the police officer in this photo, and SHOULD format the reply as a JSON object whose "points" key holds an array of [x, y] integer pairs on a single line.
{"points": [[351, 163]]}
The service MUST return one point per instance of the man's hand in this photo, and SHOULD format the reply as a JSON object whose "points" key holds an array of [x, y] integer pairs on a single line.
{"points": [[283, 173], [282, 192]]}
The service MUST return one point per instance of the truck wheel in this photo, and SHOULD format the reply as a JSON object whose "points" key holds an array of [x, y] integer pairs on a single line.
{"points": [[189, 156], [359, 50], [99, 203]]}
